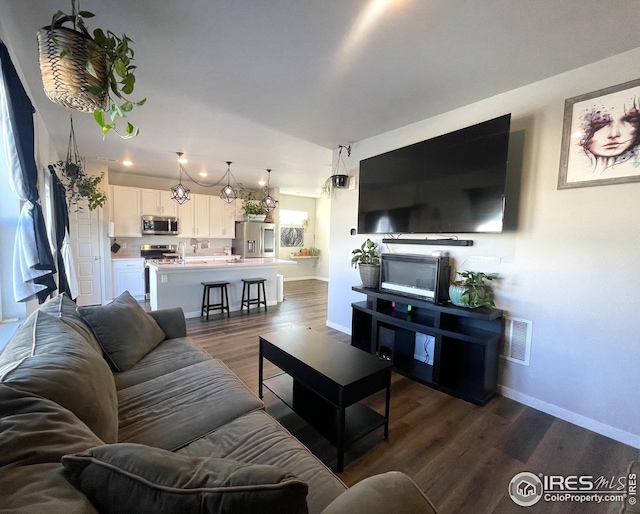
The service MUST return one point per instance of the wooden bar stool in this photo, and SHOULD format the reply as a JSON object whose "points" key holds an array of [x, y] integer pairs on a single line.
{"points": [[246, 293], [206, 298]]}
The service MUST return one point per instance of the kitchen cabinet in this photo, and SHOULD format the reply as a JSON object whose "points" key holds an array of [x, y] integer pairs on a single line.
{"points": [[125, 211], [194, 217], [223, 217], [157, 202], [128, 275]]}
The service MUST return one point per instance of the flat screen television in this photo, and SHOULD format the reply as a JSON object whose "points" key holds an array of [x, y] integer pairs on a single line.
{"points": [[453, 183]]}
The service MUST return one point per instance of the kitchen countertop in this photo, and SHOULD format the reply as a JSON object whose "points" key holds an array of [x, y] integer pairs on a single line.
{"points": [[217, 263]]}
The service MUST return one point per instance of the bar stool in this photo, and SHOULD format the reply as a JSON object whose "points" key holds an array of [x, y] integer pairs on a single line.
{"points": [[206, 296], [246, 293]]}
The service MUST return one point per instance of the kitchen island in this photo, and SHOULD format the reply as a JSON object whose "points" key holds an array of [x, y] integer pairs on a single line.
{"points": [[179, 284]]}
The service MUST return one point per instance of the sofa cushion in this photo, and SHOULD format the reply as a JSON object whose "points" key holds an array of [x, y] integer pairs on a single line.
{"points": [[380, 493], [64, 308], [62, 367], [116, 477], [179, 407], [170, 355], [34, 434], [124, 330], [257, 438]]}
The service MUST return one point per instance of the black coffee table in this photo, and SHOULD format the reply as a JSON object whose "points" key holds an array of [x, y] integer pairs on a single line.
{"points": [[323, 381]]}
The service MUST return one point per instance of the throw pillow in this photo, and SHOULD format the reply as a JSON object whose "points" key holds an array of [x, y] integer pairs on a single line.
{"points": [[119, 477], [124, 330], [61, 366]]}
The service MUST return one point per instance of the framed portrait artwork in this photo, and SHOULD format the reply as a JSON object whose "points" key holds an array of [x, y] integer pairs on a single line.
{"points": [[601, 137]]}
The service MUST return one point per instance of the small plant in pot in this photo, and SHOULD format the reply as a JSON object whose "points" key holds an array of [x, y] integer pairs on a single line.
{"points": [[368, 261], [472, 292], [252, 207]]}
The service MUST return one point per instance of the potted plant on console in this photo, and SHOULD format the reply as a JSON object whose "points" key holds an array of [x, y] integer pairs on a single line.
{"points": [[368, 261], [472, 292]]}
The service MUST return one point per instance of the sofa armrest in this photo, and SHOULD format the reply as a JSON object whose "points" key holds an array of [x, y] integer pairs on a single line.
{"points": [[171, 321], [391, 492]]}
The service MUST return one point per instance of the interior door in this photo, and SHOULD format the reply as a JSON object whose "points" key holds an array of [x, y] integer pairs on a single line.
{"points": [[84, 238]]}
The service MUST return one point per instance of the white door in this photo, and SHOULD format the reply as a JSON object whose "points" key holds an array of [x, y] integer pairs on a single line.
{"points": [[84, 235]]}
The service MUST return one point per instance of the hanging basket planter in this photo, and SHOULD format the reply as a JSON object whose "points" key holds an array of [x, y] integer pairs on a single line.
{"points": [[340, 181], [64, 54]]}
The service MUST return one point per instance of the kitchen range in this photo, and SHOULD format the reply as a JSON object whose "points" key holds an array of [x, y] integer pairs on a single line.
{"points": [[156, 254]]}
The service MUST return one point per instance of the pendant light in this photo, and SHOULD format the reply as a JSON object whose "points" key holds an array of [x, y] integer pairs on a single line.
{"points": [[180, 193], [228, 193], [269, 202]]}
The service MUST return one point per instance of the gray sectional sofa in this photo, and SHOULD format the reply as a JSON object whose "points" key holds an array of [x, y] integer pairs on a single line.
{"points": [[111, 409]]}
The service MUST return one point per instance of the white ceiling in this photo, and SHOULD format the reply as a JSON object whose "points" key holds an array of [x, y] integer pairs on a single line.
{"points": [[280, 83]]}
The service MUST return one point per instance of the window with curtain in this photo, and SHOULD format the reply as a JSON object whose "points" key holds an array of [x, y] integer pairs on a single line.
{"points": [[33, 265]]}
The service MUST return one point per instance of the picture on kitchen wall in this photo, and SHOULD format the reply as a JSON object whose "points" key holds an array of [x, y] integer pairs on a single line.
{"points": [[292, 236], [601, 137]]}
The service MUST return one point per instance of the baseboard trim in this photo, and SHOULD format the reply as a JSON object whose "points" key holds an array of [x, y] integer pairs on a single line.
{"points": [[572, 417], [345, 330], [295, 279]]}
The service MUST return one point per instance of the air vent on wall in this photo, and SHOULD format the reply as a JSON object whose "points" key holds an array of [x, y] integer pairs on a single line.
{"points": [[515, 343]]}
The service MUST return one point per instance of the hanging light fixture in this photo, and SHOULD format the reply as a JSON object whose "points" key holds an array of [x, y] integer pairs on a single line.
{"points": [[269, 202], [228, 193], [180, 193]]}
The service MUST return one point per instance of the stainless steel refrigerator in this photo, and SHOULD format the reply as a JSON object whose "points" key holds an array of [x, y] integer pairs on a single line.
{"points": [[254, 239]]}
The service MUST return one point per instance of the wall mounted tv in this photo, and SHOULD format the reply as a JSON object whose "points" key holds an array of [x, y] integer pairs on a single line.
{"points": [[453, 183]]}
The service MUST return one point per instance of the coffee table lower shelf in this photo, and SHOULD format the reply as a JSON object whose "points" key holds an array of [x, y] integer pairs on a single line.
{"points": [[360, 420]]}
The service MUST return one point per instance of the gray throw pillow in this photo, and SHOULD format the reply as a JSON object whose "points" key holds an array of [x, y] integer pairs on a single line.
{"points": [[119, 477], [124, 330], [62, 366]]}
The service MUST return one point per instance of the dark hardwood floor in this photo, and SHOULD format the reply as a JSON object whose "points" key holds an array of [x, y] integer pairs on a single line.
{"points": [[463, 456]]}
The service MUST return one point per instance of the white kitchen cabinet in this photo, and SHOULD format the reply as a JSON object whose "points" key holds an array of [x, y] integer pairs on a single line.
{"points": [[194, 217], [125, 211], [223, 217], [128, 275], [157, 202]]}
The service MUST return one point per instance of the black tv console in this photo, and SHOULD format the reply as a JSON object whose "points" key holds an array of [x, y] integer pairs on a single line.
{"points": [[465, 350]]}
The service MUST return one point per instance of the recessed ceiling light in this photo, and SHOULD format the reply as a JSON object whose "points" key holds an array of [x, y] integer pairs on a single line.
{"points": [[203, 173], [127, 163], [261, 182], [182, 160]]}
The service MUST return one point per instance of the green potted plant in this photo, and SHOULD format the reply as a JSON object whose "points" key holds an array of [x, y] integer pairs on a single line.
{"points": [[88, 73], [252, 207], [79, 185], [472, 292], [368, 261]]}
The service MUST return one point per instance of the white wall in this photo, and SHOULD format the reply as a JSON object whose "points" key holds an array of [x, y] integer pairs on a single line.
{"points": [[571, 266], [304, 268]]}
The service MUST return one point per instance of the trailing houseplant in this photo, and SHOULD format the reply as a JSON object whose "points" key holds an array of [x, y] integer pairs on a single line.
{"points": [[78, 185], [90, 73], [472, 292], [368, 261]]}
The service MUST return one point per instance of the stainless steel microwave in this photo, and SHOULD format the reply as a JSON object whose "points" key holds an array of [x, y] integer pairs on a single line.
{"points": [[160, 225]]}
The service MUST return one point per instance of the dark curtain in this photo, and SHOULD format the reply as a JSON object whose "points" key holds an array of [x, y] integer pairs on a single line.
{"points": [[61, 223], [33, 264]]}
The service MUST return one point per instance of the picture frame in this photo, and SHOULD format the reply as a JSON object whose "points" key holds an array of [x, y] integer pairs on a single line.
{"points": [[601, 137]]}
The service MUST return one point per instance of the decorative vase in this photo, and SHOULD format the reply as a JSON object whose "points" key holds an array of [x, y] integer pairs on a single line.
{"points": [[370, 275], [455, 294], [256, 217]]}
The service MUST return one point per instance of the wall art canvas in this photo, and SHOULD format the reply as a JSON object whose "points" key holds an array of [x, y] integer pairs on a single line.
{"points": [[601, 137], [291, 236]]}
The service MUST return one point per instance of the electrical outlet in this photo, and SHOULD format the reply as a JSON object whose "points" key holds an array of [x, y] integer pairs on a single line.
{"points": [[164, 278], [124, 245]]}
